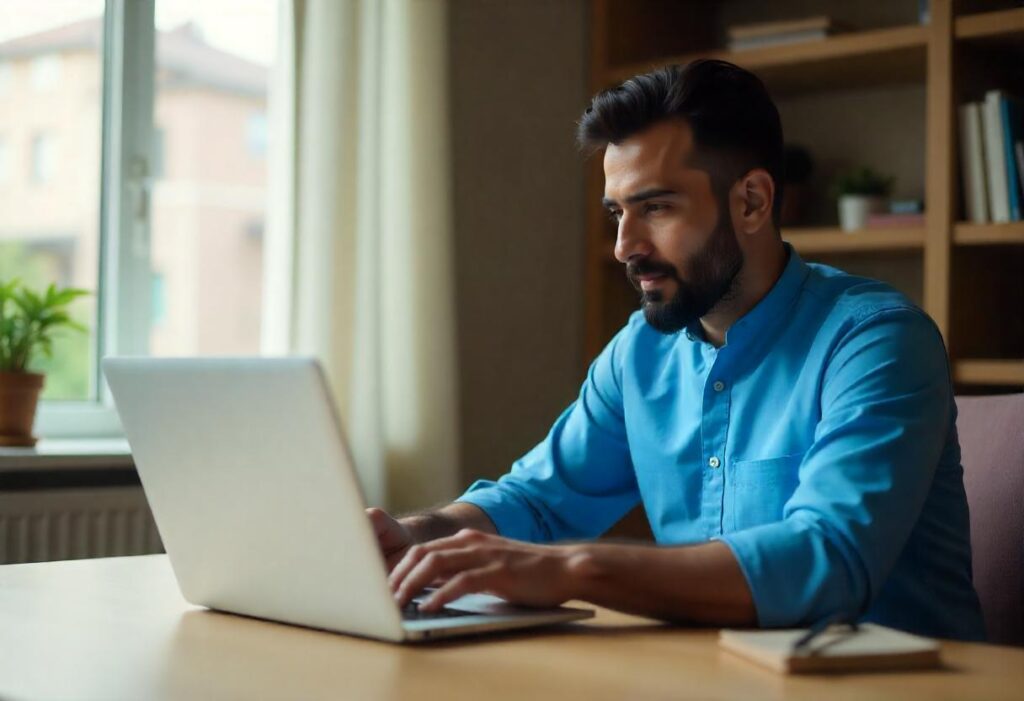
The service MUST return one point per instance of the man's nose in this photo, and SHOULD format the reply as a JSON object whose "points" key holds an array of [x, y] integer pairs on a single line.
{"points": [[631, 240]]}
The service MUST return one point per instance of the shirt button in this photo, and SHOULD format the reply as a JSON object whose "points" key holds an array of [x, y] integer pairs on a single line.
{"points": [[719, 385], [714, 462]]}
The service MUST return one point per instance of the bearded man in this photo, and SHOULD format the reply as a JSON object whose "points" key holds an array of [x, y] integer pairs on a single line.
{"points": [[789, 428]]}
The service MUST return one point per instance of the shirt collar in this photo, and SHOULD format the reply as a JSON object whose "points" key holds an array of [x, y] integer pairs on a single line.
{"points": [[769, 311]]}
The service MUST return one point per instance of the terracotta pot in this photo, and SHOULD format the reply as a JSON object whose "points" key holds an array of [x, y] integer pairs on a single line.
{"points": [[19, 395]]}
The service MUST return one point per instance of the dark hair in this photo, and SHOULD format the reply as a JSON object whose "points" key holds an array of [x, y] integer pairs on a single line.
{"points": [[736, 126]]}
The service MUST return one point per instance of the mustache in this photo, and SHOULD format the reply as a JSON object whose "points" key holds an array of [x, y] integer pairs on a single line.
{"points": [[634, 269]]}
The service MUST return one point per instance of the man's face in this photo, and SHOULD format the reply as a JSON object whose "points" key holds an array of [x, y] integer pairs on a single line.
{"points": [[678, 244]]}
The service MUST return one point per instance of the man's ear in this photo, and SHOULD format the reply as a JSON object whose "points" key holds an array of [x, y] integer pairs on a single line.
{"points": [[755, 192]]}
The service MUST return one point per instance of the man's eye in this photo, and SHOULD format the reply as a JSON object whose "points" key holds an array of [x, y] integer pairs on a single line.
{"points": [[654, 207], [615, 215]]}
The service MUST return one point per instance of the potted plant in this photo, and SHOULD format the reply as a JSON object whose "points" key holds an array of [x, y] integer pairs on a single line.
{"points": [[860, 192], [27, 323]]}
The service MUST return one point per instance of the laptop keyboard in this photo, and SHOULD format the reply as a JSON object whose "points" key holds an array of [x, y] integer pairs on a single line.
{"points": [[411, 613]]}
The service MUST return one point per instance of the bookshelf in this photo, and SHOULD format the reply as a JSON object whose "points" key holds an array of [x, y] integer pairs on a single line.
{"points": [[968, 277]]}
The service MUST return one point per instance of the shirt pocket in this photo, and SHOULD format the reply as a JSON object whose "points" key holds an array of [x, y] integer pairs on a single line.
{"points": [[758, 489]]}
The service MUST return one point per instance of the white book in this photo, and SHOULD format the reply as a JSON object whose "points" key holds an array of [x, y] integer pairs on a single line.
{"points": [[972, 159], [870, 647], [777, 39], [995, 157]]}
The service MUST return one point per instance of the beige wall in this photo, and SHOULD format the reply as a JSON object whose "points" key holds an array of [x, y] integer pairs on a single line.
{"points": [[518, 85]]}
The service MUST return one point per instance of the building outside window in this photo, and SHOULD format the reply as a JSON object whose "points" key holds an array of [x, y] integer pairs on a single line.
{"points": [[5, 161], [188, 277], [46, 72], [44, 158], [5, 78]]}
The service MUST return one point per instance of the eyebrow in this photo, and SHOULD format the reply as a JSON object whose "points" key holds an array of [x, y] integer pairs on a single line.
{"points": [[639, 196]]}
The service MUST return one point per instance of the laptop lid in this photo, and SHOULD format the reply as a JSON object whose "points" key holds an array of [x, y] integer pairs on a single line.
{"points": [[253, 491]]}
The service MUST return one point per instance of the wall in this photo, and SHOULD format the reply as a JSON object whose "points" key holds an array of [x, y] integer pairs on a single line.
{"points": [[518, 85]]}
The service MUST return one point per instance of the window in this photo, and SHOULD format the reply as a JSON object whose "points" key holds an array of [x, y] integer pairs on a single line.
{"points": [[45, 72], [5, 78], [154, 221], [256, 134], [44, 158], [50, 137], [5, 161]]}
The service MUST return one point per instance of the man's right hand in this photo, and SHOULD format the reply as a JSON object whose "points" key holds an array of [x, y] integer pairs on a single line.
{"points": [[393, 537]]}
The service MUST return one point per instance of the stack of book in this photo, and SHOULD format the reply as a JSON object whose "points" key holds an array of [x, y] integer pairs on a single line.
{"points": [[992, 158], [761, 34]]}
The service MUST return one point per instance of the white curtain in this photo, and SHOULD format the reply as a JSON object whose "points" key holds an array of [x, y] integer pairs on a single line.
{"points": [[359, 265]]}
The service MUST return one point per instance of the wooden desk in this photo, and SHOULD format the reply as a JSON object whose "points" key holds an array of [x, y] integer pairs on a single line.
{"points": [[119, 629]]}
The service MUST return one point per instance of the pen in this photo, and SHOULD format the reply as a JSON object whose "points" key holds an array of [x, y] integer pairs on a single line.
{"points": [[821, 626]]}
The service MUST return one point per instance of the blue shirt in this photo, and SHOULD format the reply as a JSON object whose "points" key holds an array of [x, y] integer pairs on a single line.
{"points": [[819, 443]]}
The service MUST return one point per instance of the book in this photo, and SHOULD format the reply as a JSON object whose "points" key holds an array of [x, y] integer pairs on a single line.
{"points": [[794, 31], [1019, 150], [837, 649], [776, 39], [995, 157], [1011, 117], [906, 206], [804, 24], [972, 161]]}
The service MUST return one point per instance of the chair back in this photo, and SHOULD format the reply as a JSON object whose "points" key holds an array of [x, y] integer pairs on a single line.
{"points": [[991, 431]]}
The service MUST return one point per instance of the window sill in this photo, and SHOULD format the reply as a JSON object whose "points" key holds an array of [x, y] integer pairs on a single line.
{"points": [[66, 454]]}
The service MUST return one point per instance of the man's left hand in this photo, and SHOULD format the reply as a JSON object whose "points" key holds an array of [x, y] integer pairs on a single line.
{"points": [[472, 561]]}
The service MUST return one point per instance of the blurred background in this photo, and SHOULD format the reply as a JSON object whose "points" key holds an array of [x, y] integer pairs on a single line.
{"points": [[393, 186]]}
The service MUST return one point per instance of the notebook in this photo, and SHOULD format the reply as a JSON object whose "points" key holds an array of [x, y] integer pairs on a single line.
{"points": [[838, 649]]}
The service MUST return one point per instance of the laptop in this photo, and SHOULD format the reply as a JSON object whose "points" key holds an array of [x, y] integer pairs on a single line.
{"points": [[259, 506]]}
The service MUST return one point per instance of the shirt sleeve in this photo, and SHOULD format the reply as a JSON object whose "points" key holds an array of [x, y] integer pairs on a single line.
{"points": [[579, 481], [886, 406]]}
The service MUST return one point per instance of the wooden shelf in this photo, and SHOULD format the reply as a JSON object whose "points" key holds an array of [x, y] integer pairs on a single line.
{"points": [[968, 234], [996, 26], [833, 240], [861, 59], [989, 372]]}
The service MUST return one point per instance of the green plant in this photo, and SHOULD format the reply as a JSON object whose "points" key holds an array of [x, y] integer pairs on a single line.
{"points": [[862, 181], [28, 321]]}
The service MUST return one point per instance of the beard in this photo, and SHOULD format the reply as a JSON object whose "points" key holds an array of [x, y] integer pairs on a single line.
{"points": [[710, 279]]}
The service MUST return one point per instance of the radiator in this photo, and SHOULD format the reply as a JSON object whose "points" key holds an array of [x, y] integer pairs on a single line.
{"points": [[42, 525]]}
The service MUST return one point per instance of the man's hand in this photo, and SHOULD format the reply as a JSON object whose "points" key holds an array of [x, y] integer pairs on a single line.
{"points": [[472, 561], [392, 536], [396, 536]]}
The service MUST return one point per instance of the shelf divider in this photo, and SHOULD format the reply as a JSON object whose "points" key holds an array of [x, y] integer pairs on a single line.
{"points": [[970, 234], [973, 371], [854, 60], [834, 240]]}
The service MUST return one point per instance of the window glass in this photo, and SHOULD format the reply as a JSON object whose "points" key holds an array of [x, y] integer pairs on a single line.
{"points": [[211, 95], [51, 70]]}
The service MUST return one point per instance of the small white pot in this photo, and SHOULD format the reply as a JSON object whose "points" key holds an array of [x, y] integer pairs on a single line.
{"points": [[854, 210]]}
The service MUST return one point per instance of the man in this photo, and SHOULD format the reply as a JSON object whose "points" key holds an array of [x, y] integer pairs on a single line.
{"points": [[790, 429]]}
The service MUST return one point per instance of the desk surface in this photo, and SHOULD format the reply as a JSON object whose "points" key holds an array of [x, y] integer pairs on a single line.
{"points": [[118, 628]]}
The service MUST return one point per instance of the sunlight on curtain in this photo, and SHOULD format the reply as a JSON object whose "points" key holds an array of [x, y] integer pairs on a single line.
{"points": [[371, 252]]}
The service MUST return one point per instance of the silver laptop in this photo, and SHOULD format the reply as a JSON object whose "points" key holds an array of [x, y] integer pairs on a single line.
{"points": [[260, 510]]}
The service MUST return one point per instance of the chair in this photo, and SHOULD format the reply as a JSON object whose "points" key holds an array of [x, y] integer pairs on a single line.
{"points": [[991, 431]]}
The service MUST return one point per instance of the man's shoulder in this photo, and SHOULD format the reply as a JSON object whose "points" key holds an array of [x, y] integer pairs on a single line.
{"points": [[847, 300]]}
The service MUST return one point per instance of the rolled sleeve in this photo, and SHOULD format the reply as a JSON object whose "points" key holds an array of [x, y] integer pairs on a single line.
{"points": [[886, 405], [579, 480]]}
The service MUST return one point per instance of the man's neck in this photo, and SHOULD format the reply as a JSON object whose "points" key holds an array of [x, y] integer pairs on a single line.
{"points": [[753, 283]]}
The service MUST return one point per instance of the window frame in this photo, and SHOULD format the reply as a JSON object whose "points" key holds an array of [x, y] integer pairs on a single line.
{"points": [[122, 316], [128, 139]]}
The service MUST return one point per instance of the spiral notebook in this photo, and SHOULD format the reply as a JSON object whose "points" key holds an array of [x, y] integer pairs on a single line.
{"points": [[839, 649]]}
